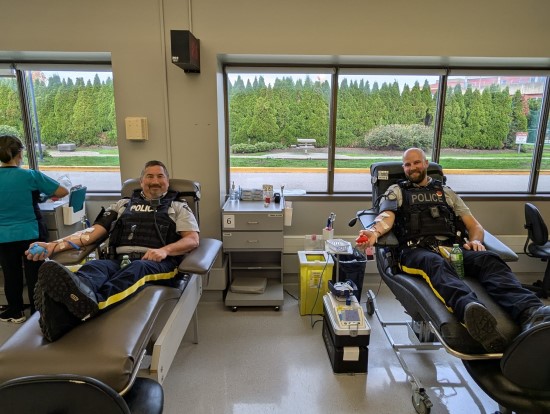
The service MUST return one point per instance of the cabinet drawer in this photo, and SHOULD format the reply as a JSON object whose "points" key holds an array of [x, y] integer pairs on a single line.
{"points": [[253, 222], [253, 240]]}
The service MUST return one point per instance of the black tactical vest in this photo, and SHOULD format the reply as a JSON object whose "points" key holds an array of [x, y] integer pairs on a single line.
{"points": [[424, 212], [146, 225]]}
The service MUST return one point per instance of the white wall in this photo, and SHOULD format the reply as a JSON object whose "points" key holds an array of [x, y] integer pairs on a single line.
{"points": [[183, 109]]}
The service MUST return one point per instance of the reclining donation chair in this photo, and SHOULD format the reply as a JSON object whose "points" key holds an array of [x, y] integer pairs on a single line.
{"points": [[537, 245], [432, 326], [105, 355]]}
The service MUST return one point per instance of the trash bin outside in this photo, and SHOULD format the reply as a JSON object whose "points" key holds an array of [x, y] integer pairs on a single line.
{"points": [[351, 267]]}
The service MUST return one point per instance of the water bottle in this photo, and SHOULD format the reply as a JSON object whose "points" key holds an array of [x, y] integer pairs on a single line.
{"points": [[125, 261], [457, 260], [91, 257], [233, 192]]}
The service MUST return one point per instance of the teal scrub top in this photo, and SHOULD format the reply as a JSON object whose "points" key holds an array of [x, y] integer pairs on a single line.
{"points": [[18, 220]]}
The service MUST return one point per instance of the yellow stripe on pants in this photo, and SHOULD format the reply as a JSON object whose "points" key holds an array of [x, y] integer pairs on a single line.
{"points": [[132, 289], [420, 272]]}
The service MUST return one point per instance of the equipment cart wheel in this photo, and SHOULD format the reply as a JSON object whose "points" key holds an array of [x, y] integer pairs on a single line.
{"points": [[370, 304], [234, 309], [421, 402], [277, 309]]}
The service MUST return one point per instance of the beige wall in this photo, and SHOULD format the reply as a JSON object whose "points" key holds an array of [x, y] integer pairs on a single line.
{"points": [[183, 109]]}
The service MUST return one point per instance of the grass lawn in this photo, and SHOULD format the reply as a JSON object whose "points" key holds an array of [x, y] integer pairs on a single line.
{"points": [[505, 163]]}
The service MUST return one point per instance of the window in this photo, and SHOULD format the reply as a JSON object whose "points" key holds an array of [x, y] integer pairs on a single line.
{"points": [[379, 114], [544, 175], [10, 110], [319, 130], [278, 125], [490, 130], [68, 123]]}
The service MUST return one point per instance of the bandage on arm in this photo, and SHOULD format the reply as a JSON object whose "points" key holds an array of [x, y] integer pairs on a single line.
{"points": [[382, 223], [80, 238]]}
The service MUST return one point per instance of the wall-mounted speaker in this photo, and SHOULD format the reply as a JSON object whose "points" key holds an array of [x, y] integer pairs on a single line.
{"points": [[185, 50]]}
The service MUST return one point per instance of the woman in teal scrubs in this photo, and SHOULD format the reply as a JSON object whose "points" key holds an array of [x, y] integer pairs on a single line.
{"points": [[20, 223]]}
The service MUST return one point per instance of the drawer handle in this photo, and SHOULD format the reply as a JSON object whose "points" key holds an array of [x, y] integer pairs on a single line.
{"points": [[252, 241], [252, 222]]}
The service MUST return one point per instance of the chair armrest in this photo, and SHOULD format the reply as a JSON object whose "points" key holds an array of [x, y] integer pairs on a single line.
{"points": [[201, 260], [491, 243], [387, 240], [495, 245], [73, 257]]}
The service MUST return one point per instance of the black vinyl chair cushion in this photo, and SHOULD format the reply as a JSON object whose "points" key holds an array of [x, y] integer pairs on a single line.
{"points": [[488, 376], [420, 303], [525, 362], [73, 394], [542, 252], [535, 225]]}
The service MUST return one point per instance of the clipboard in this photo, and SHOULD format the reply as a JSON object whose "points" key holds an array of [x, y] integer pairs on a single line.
{"points": [[77, 196], [75, 211]]}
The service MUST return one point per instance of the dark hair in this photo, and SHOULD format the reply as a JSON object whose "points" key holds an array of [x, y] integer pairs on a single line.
{"points": [[10, 147], [153, 163]]}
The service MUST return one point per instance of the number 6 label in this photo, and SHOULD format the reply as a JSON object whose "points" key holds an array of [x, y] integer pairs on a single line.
{"points": [[228, 221]]}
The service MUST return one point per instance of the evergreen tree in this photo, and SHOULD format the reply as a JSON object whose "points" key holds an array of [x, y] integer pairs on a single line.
{"points": [[263, 124], [455, 116], [476, 121], [10, 111], [499, 114], [429, 103], [85, 128], [519, 119]]}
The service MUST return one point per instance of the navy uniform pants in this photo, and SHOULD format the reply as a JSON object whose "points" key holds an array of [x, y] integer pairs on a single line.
{"points": [[492, 272], [112, 284]]}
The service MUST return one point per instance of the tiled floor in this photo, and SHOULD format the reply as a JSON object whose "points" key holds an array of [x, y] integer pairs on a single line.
{"points": [[257, 360]]}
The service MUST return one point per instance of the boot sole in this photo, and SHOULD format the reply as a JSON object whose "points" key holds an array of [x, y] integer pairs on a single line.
{"points": [[14, 320], [482, 326], [64, 287], [55, 320]]}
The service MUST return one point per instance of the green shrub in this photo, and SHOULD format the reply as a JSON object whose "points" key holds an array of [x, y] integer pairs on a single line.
{"points": [[258, 147], [9, 130], [399, 137], [243, 148]]}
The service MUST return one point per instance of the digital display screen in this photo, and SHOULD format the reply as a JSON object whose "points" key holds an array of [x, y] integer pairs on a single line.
{"points": [[350, 315]]}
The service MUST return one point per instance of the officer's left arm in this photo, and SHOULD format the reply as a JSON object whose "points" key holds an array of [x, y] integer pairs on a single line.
{"points": [[189, 241], [473, 227], [475, 233]]}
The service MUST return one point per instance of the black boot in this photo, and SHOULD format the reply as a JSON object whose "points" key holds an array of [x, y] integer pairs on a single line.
{"points": [[482, 326], [532, 317], [55, 319], [63, 286]]}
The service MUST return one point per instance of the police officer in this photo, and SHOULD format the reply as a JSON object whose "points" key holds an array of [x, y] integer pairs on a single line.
{"points": [[152, 227], [424, 215]]}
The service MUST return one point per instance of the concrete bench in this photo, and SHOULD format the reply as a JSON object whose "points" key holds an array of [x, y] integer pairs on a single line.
{"points": [[306, 142], [66, 147]]}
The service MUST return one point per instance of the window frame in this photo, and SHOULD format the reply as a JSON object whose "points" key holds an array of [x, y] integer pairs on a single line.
{"points": [[53, 62], [487, 66]]}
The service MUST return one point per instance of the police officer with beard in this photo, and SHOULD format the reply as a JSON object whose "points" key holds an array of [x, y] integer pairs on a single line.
{"points": [[153, 228], [424, 215]]}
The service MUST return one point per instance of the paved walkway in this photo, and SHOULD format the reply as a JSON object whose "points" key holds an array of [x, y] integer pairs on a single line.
{"points": [[56, 153]]}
